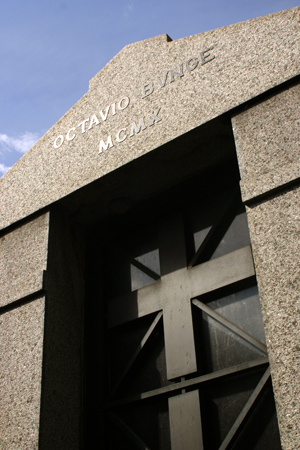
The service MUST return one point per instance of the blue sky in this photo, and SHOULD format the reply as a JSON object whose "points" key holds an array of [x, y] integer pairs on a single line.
{"points": [[51, 49]]}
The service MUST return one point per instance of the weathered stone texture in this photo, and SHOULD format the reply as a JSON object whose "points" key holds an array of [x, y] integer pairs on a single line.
{"points": [[275, 236], [21, 348], [23, 258], [268, 144], [151, 95], [237, 63]]}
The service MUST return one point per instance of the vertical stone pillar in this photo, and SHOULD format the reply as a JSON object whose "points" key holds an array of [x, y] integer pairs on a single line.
{"points": [[268, 149], [41, 335], [23, 259]]}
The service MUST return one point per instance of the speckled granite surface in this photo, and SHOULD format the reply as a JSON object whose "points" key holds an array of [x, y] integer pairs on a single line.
{"points": [[275, 236], [23, 258], [21, 350], [150, 93], [268, 143]]}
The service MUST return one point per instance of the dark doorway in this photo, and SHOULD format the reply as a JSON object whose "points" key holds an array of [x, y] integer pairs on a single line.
{"points": [[175, 350]]}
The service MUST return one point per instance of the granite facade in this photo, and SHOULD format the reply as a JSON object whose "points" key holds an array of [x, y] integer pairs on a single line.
{"points": [[275, 230], [21, 354], [268, 144], [149, 94], [23, 260], [268, 150], [159, 112]]}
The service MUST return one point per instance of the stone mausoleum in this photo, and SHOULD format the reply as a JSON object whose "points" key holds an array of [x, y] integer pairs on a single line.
{"points": [[150, 253]]}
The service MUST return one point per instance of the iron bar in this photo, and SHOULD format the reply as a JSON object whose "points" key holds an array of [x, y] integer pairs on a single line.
{"points": [[189, 383], [245, 411], [217, 231], [136, 263], [228, 324], [128, 431], [137, 352]]}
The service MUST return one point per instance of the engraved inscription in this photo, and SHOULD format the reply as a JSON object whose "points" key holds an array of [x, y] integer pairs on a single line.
{"points": [[189, 65], [159, 82], [130, 131], [90, 122]]}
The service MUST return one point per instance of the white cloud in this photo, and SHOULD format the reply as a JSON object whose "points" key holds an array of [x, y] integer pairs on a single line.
{"points": [[128, 9], [3, 169], [20, 143]]}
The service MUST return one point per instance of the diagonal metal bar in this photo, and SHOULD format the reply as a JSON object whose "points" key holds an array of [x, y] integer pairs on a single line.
{"points": [[136, 353], [245, 411], [172, 293], [144, 268], [128, 431], [135, 263], [217, 231], [209, 276], [228, 324], [189, 383]]}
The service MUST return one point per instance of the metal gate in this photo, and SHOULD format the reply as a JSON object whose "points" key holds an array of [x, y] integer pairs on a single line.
{"points": [[185, 355]]}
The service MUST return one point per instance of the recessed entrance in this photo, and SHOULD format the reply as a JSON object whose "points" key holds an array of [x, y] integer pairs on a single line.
{"points": [[177, 356]]}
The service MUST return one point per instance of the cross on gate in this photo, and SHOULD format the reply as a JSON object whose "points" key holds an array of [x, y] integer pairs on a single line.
{"points": [[173, 292], [171, 297]]}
